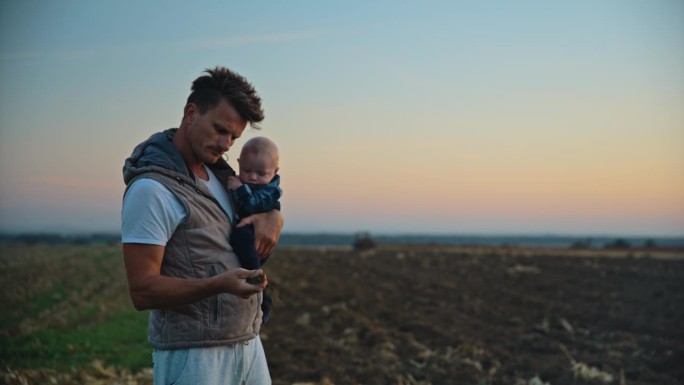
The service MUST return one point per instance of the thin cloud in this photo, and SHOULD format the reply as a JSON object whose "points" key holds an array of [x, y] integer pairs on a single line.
{"points": [[247, 40], [56, 182], [166, 46], [52, 181]]}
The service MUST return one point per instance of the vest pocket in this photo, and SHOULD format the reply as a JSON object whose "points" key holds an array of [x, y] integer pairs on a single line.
{"points": [[214, 302]]}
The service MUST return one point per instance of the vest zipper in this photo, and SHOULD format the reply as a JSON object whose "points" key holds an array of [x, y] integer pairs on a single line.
{"points": [[215, 201], [208, 196]]}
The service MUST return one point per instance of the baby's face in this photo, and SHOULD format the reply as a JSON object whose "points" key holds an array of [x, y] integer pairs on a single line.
{"points": [[257, 169]]}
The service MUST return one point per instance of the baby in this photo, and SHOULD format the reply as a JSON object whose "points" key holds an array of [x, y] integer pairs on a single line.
{"points": [[256, 189]]}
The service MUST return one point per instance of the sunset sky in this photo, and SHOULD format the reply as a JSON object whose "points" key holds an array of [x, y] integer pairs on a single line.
{"points": [[455, 117]]}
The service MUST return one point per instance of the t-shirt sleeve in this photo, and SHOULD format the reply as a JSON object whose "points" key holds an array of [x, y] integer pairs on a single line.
{"points": [[150, 213]]}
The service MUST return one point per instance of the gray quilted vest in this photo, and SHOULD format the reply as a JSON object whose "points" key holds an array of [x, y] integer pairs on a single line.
{"points": [[199, 248]]}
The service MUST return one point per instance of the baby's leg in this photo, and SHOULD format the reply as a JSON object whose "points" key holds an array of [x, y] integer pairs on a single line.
{"points": [[242, 240]]}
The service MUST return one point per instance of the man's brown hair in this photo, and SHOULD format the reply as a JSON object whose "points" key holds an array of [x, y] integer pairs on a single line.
{"points": [[224, 84]]}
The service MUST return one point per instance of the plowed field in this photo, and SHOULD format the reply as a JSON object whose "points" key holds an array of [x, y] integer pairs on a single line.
{"points": [[390, 315]]}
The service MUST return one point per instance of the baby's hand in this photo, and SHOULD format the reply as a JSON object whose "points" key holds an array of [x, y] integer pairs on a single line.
{"points": [[234, 183]]}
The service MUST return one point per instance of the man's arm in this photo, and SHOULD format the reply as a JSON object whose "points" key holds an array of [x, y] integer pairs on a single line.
{"points": [[151, 290], [267, 227]]}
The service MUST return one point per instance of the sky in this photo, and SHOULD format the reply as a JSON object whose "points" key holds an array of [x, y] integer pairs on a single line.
{"points": [[450, 117]]}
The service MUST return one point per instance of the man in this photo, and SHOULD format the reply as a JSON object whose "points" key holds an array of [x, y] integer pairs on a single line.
{"points": [[176, 222]]}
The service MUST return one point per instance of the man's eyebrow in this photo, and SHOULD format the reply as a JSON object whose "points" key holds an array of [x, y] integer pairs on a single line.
{"points": [[221, 129]]}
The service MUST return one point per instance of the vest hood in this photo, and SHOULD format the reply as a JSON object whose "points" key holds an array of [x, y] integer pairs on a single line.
{"points": [[155, 154], [159, 154]]}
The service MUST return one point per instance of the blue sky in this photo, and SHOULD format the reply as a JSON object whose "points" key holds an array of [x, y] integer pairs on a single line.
{"points": [[457, 117]]}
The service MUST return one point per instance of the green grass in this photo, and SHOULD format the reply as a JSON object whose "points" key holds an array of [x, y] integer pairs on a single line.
{"points": [[66, 306], [120, 340], [45, 300]]}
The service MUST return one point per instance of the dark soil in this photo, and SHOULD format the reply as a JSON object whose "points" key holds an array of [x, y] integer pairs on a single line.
{"points": [[429, 315]]}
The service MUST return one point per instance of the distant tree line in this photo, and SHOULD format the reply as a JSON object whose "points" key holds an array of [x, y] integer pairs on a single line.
{"points": [[60, 239], [618, 243], [351, 239]]}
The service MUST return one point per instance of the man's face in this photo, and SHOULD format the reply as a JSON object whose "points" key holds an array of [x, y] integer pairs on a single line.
{"points": [[211, 134], [257, 169]]}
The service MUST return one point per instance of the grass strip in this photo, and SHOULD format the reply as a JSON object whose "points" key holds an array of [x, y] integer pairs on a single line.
{"points": [[120, 340]]}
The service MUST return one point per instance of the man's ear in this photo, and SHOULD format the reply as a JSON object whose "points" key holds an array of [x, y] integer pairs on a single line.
{"points": [[190, 112]]}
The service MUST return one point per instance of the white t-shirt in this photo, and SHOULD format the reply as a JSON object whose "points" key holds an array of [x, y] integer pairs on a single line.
{"points": [[150, 212]]}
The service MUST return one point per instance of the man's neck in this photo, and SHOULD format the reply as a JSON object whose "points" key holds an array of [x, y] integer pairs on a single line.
{"points": [[195, 166], [201, 172]]}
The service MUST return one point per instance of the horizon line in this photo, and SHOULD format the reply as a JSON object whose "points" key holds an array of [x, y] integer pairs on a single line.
{"points": [[76, 233]]}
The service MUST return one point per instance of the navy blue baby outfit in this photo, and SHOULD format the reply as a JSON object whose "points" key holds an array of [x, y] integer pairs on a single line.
{"points": [[251, 200]]}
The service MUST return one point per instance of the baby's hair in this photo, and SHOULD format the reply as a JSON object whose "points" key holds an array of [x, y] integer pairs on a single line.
{"points": [[260, 145]]}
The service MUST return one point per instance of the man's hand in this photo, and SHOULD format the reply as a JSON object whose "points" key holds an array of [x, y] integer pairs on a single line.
{"points": [[151, 290], [267, 228], [234, 281], [234, 183]]}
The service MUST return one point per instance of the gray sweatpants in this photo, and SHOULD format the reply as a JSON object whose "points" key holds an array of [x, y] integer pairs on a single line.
{"points": [[239, 364]]}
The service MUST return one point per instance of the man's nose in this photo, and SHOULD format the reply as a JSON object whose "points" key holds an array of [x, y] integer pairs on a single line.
{"points": [[225, 143]]}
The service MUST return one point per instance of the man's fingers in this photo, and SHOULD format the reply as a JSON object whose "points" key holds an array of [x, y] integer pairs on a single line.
{"points": [[256, 273], [244, 222], [244, 273], [264, 249]]}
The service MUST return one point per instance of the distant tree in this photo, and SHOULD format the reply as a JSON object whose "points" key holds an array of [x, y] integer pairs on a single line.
{"points": [[618, 244], [650, 244], [581, 244], [41, 238]]}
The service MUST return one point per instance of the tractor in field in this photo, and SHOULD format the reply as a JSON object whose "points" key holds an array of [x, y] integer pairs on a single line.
{"points": [[363, 241]]}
